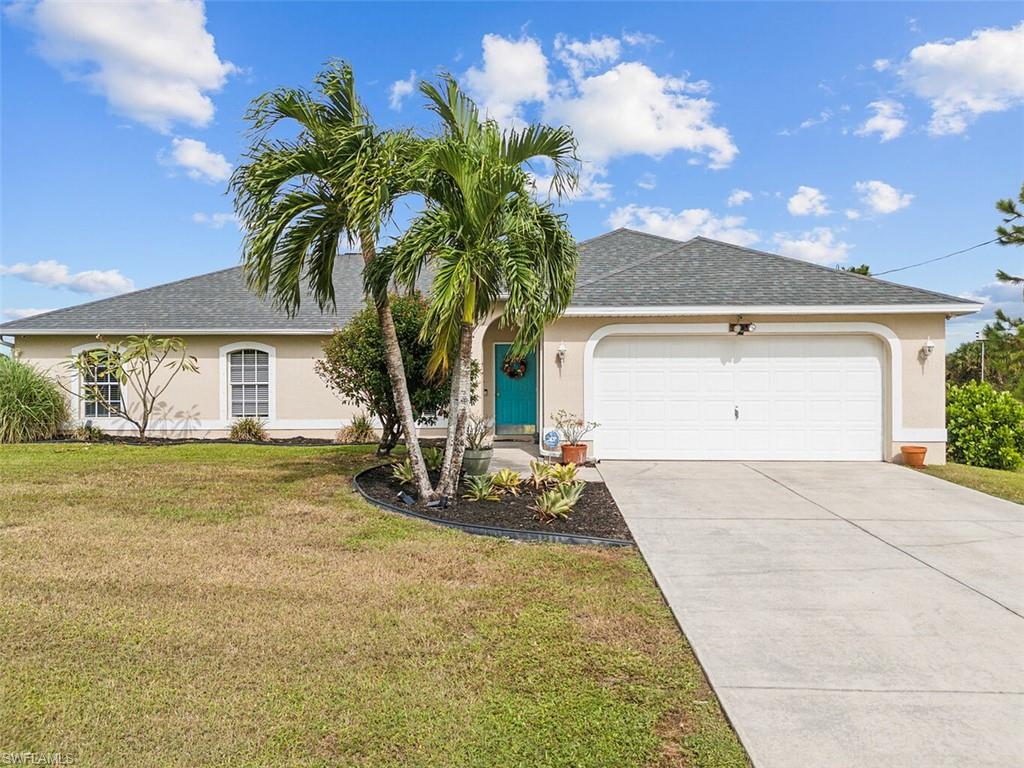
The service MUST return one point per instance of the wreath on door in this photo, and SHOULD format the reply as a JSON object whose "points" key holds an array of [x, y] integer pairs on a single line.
{"points": [[514, 367]]}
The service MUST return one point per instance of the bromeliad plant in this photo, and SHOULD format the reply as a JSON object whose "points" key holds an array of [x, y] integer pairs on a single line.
{"points": [[540, 474], [561, 474], [402, 472], [480, 488], [552, 505], [507, 481], [433, 457]]}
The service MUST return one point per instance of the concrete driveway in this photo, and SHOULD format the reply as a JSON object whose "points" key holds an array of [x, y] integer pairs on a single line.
{"points": [[846, 614]]}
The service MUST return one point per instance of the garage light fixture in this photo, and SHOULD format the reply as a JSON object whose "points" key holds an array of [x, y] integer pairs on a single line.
{"points": [[560, 354], [741, 329], [927, 349]]}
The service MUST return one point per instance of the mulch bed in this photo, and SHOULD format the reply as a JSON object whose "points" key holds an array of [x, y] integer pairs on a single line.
{"points": [[596, 513]]}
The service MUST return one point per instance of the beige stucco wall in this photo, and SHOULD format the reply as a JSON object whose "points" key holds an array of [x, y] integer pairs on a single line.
{"points": [[303, 404], [922, 386]]}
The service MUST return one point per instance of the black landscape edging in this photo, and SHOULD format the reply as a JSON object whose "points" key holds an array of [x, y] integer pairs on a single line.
{"points": [[490, 530]]}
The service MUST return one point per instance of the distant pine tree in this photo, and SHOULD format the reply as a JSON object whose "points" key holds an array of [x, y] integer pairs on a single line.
{"points": [[863, 269], [1011, 233]]}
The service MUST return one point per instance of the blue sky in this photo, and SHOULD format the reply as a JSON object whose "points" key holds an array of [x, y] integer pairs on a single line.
{"points": [[839, 133]]}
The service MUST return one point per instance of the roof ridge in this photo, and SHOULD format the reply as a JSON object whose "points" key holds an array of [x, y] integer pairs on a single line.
{"points": [[639, 262], [831, 270]]}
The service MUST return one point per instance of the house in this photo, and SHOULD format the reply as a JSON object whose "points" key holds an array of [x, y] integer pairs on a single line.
{"points": [[681, 350]]}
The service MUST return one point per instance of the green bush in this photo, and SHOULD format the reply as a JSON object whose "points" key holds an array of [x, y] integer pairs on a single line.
{"points": [[32, 407], [986, 427], [249, 430], [87, 433]]}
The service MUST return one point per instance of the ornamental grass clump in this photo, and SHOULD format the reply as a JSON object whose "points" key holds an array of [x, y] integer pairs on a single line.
{"points": [[249, 430], [32, 406]]}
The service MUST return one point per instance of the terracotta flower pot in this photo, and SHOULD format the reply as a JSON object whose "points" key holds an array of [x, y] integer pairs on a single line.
{"points": [[574, 454], [913, 455]]}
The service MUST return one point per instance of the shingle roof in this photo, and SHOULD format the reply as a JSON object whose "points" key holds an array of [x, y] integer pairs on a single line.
{"points": [[218, 300], [623, 268], [629, 268]]}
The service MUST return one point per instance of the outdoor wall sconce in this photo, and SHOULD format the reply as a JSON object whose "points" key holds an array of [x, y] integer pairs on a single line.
{"points": [[927, 349], [560, 354], [741, 329]]}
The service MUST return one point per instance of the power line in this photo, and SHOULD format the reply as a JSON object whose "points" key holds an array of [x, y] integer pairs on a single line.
{"points": [[937, 258]]}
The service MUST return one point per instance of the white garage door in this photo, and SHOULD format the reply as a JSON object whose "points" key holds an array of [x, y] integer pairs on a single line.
{"points": [[750, 397]]}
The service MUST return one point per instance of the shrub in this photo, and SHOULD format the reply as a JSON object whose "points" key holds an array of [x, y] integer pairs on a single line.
{"points": [[87, 433], [480, 488], [359, 431], [985, 427], [572, 492], [354, 366], [32, 406], [433, 458], [507, 481], [249, 430]]}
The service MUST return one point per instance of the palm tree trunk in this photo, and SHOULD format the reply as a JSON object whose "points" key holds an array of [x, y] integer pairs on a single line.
{"points": [[458, 414], [399, 385]]}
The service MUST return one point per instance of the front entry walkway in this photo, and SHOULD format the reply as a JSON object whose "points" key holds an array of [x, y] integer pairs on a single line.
{"points": [[847, 614]]}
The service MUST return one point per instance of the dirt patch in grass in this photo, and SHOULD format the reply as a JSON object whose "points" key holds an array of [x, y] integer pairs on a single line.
{"points": [[236, 605], [596, 513]]}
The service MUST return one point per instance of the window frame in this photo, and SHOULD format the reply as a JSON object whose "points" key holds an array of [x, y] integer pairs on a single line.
{"points": [[81, 395], [225, 379]]}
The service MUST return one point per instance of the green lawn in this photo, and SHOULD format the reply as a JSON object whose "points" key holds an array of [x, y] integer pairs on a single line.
{"points": [[238, 605], [998, 482]]}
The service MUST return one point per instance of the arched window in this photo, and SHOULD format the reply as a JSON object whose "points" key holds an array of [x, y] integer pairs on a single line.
{"points": [[248, 383]]}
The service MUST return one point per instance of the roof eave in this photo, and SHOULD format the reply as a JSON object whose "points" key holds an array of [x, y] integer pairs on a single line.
{"points": [[778, 309]]}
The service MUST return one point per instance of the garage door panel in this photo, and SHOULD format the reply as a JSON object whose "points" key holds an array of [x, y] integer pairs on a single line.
{"points": [[798, 397]]}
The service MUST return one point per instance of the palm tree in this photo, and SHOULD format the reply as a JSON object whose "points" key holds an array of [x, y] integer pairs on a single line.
{"points": [[492, 246], [299, 199], [1011, 233]]}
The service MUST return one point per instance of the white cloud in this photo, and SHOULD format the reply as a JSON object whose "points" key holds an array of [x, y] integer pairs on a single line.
{"points": [[643, 39], [852, 214], [215, 220], [994, 295], [199, 161], [18, 313], [880, 65], [880, 197], [53, 274], [647, 181], [513, 72], [153, 62], [400, 89], [808, 201], [962, 79], [819, 246], [738, 197], [823, 117], [684, 224], [888, 121], [654, 116], [590, 187], [580, 57]]}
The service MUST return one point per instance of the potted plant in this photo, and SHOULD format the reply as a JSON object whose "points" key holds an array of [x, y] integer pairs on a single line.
{"points": [[573, 430], [479, 450]]}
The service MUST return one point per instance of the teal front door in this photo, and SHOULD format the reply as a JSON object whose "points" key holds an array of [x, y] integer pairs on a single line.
{"points": [[515, 400]]}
